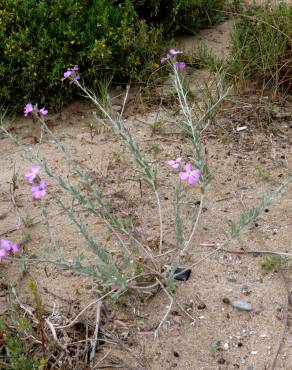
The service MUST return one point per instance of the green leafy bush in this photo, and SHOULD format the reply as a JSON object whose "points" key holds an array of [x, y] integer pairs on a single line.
{"points": [[181, 15], [40, 39], [261, 45]]}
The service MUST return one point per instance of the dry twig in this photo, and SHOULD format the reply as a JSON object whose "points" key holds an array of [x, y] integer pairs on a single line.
{"points": [[95, 336]]}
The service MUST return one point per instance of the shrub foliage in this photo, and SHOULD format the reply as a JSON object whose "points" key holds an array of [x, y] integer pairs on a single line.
{"points": [[39, 39], [261, 45]]}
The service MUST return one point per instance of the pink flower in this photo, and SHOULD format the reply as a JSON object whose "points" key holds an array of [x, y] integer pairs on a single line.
{"points": [[71, 71], [174, 163], [31, 176], [164, 59], [5, 245], [2, 254], [39, 191], [28, 109], [43, 111], [15, 248], [173, 52], [179, 65], [190, 175], [6, 248]]}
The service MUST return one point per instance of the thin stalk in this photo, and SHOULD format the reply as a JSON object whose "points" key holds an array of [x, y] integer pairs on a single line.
{"points": [[116, 125], [195, 225], [160, 220]]}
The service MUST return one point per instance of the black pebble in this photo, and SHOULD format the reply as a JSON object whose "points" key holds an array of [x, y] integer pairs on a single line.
{"points": [[182, 274]]}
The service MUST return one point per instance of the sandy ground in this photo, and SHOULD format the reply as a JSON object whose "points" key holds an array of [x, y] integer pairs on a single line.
{"points": [[243, 163]]}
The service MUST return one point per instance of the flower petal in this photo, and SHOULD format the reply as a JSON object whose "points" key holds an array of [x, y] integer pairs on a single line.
{"points": [[194, 177], [43, 111], [5, 245], [173, 52], [164, 59], [15, 248], [183, 176], [188, 167], [179, 65]]}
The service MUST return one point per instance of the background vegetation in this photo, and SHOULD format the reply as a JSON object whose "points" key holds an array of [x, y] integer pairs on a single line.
{"points": [[122, 39], [261, 47]]}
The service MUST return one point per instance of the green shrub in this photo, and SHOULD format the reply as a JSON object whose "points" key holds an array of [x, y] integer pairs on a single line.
{"points": [[181, 15], [261, 45], [40, 39]]}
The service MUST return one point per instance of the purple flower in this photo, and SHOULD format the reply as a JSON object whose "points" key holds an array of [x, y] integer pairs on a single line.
{"points": [[5, 245], [43, 111], [179, 65], [6, 248], [39, 191], [28, 109], [190, 175], [173, 52], [15, 248], [31, 176], [71, 71], [164, 59], [174, 163], [2, 254]]}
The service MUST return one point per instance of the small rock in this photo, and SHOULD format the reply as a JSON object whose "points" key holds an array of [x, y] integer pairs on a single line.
{"points": [[241, 305], [226, 300], [241, 128], [117, 108], [182, 274], [215, 345], [232, 279], [244, 288]]}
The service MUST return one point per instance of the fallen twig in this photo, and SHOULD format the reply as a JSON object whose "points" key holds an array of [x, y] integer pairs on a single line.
{"points": [[168, 309], [83, 310], [95, 336]]}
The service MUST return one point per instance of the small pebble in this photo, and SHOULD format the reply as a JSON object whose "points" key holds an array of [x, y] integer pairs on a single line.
{"points": [[244, 288], [232, 279], [241, 305], [215, 345]]}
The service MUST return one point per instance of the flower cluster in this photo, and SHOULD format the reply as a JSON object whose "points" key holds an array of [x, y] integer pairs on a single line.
{"points": [[72, 74], [170, 55], [7, 247], [38, 186], [29, 108], [189, 174]]}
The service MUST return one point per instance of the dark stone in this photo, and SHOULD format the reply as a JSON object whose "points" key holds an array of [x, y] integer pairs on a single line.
{"points": [[182, 274]]}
